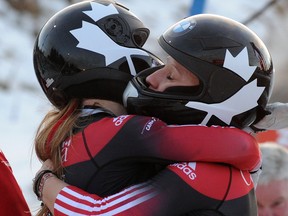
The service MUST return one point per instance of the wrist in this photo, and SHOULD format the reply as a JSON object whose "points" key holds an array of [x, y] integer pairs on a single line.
{"points": [[39, 182]]}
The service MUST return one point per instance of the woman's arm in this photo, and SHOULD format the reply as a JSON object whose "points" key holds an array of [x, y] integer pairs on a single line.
{"points": [[195, 190], [148, 137], [51, 189], [215, 144]]}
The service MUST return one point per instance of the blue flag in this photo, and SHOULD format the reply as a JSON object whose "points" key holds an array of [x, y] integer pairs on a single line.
{"points": [[197, 7]]}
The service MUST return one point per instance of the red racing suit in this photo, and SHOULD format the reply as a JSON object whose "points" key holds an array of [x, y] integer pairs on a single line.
{"points": [[108, 154], [195, 189], [12, 200]]}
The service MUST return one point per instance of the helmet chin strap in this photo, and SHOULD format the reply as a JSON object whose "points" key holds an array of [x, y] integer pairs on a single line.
{"points": [[184, 90]]}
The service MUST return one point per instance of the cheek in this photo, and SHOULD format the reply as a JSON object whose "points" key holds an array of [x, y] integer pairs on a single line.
{"points": [[189, 79]]}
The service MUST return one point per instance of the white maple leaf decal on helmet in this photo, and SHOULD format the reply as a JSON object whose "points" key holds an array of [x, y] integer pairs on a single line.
{"points": [[92, 38], [99, 11], [239, 64], [234, 105]]}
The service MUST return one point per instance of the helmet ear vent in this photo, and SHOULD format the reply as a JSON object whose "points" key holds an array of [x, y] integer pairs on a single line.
{"points": [[140, 37], [115, 29]]}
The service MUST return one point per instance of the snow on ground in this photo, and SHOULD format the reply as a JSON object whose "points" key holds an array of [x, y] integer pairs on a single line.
{"points": [[22, 103]]}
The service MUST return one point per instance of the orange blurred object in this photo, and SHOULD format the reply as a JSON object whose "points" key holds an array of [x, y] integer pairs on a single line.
{"points": [[278, 136]]}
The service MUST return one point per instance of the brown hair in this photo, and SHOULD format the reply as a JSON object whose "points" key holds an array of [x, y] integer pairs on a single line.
{"points": [[56, 126]]}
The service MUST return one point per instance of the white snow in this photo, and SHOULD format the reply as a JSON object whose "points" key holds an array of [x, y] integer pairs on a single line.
{"points": [[23, 105]]}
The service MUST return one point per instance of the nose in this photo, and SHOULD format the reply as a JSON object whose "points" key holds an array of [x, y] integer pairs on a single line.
{"points": [[154, 80]]}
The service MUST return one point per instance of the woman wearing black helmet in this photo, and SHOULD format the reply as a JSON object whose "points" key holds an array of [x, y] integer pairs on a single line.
{"points": [[85, 79], [233, 67]]}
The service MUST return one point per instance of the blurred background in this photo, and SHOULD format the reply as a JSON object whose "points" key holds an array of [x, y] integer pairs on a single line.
{"points": [[22, 103]]}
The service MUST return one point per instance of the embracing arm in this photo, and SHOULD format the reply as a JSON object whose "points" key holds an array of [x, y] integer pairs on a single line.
{"points": [[63, 199], [159, 196], [228, 145], [151, 140], [51, 189], [217, 144]]}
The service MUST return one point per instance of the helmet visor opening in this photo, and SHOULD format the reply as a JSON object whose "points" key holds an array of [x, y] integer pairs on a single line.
{"points": [[140, 36]]}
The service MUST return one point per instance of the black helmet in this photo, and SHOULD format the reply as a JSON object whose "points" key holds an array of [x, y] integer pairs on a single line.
{"points": [[232, 63], [90, 50]]}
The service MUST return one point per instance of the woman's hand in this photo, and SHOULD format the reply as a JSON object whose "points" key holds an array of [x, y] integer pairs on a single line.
{"points": [[47, 185], [277, 119]]}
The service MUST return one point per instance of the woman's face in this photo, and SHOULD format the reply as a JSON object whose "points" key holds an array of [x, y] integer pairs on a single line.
{"points": [[171, 75]]}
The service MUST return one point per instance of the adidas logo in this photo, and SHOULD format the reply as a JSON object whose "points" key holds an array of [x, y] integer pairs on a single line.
{"points": [[187, 168]]}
